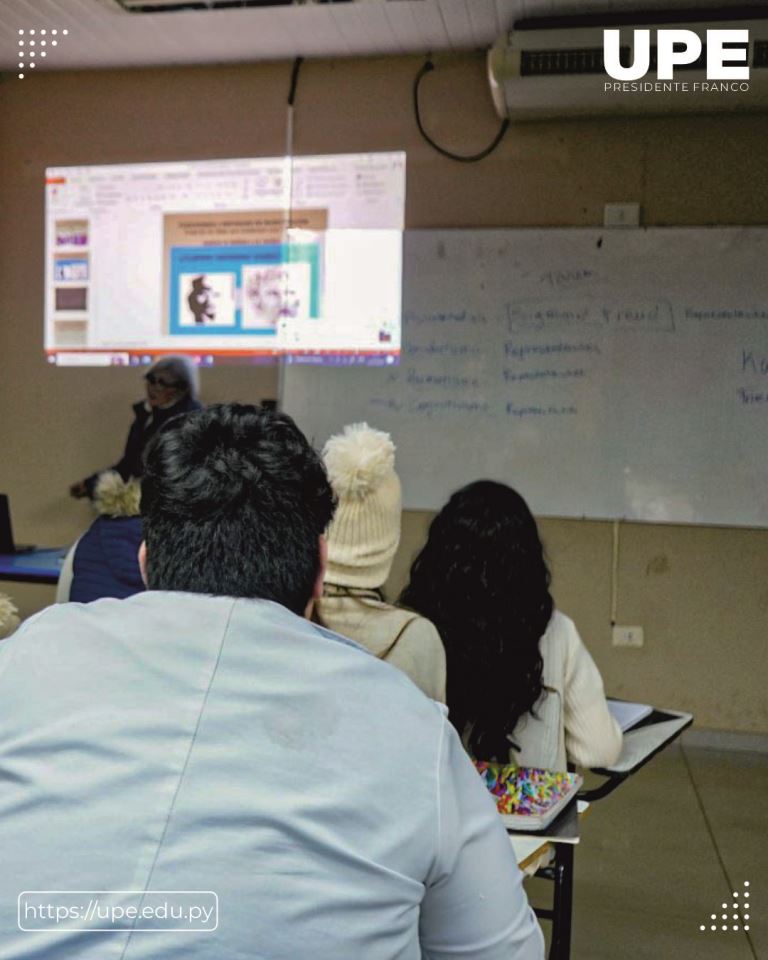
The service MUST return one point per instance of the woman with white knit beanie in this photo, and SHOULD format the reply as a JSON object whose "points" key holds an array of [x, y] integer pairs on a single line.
{"points": [[362, 541]]}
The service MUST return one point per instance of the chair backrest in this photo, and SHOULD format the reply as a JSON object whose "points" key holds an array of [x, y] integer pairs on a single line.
{"points": [[65, 576]]}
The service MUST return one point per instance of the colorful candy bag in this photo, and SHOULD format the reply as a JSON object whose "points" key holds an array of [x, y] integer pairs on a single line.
{"points": [[526, 791]]}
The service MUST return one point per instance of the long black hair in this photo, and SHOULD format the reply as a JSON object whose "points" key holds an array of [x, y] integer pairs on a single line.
{"points": [[482, 579]]}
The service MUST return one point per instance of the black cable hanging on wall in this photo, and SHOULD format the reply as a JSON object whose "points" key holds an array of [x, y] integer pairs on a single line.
{"points": [[289, 130], [462, 158], [294, 80]]}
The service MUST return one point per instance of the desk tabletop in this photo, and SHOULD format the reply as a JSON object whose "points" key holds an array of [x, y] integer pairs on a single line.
{"points": [[33, 566], [644, 741], [528, 847], [641, 743]]}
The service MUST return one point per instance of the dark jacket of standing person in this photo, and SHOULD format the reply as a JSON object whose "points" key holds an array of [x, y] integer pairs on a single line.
{"points": [[172, 385], [146, 423]]}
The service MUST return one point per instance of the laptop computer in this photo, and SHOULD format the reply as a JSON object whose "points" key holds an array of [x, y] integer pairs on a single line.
{"points": [[7, 544]]}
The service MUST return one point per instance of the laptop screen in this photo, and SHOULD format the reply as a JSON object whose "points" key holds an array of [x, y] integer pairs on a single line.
{"points": [[6, 531]]}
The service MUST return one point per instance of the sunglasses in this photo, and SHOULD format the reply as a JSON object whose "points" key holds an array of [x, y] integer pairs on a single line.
{"points": [[155, 381]]}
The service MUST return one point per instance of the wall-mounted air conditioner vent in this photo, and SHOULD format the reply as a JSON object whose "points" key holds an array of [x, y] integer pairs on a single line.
{"points": [[539, 63], [539, 71]]}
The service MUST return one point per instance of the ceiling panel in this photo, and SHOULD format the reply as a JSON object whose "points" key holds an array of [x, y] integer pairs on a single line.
{"points": [[365, 27], [404, 25], [458, 24], [483, 22], [102, 35], [433, 33]]}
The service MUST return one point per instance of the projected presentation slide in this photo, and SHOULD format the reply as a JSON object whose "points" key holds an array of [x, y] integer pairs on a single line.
{"points": [[239, 261]]}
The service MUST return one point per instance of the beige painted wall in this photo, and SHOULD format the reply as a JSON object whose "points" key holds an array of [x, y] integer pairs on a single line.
{"points": [[700, 593]]}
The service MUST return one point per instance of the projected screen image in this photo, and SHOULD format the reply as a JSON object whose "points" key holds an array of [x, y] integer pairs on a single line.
{"points": [[227, 261]]}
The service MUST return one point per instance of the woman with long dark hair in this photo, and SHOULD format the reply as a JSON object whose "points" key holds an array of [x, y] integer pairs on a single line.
{"points": [[521, 684]]}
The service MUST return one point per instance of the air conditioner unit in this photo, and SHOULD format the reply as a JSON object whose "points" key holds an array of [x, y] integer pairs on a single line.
{"points": [[545, 69]]}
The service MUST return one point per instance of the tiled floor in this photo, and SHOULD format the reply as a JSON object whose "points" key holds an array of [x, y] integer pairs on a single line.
{"points": [[664, 852]]}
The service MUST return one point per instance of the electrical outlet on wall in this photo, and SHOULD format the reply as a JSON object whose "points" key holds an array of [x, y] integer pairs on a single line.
{"points": [[627, 636]]}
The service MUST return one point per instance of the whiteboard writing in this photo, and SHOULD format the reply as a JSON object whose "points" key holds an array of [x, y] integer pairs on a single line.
{"points": [[604, 374]]}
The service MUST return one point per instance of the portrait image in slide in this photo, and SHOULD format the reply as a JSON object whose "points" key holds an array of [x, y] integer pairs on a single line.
{"points": [[206, 300], [272, 293]]}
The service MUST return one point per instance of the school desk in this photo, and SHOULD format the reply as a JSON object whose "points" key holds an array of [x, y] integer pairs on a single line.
{"points": [[640, 744], [33, 566], [561, 837]]}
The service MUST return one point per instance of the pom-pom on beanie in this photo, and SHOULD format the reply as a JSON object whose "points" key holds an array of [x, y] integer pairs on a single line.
{"points": [[115, 497], [365, 531]]}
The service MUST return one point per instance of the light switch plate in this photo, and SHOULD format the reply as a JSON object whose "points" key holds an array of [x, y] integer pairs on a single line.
{"points": [[627, 636]]}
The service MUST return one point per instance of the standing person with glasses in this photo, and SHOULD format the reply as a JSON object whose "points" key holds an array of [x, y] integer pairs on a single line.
{"points": [[173, 387]]}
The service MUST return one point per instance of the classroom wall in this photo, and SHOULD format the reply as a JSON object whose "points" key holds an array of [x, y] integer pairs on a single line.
{"points": [[700, 593]]}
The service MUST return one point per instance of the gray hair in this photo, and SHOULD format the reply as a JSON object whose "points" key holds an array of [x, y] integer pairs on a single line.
{"points": [[180, 368]]}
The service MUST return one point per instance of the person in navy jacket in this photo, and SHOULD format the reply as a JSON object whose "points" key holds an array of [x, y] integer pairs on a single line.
{"points": [[105, 560]]}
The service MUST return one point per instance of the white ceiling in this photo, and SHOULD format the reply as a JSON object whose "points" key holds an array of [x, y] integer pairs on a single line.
{"points": [[102, 35]]}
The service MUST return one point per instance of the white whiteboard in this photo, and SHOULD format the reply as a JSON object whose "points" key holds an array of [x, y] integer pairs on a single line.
{"points": [[604, 374]]}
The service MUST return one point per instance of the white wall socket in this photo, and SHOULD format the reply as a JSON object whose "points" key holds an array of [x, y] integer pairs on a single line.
{"points": [[627, 636]]}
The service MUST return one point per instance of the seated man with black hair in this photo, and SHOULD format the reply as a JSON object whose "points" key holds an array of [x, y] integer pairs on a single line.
{"points": [[206, 737]]}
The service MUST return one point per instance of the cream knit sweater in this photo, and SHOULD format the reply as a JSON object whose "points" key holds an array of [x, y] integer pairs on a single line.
{"points": [[418, 651], [572, 720]]}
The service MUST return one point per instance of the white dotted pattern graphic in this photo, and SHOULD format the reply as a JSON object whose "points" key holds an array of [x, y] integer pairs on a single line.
{"points": [[741, 915], [27, 47]]}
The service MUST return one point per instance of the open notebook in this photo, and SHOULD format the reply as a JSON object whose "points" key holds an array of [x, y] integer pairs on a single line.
{"points": [[628, 714], [528, 798]]}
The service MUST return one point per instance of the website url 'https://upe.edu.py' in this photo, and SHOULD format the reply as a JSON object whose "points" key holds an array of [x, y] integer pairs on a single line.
{"points": [[103, 911]]}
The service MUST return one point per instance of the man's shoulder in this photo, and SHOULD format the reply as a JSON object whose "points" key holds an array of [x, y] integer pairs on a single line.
{"points": [[188, 611], [149, 615], [182, 633]]}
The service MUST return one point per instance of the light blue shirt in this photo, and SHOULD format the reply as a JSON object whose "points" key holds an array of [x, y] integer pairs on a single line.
{"points": [[174, 741]]}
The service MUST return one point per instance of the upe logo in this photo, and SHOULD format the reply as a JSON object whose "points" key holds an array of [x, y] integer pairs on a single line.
{"points": [[675, 48]]}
